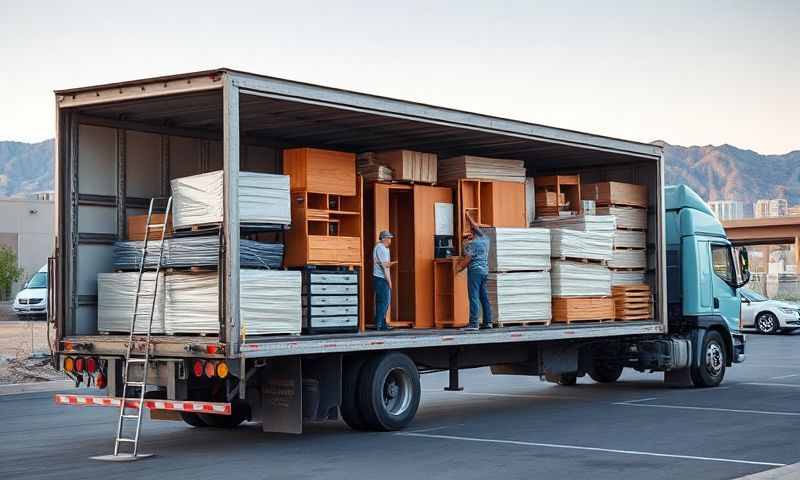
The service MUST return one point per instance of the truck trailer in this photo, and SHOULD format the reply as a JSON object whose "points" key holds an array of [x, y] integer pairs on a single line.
{"points": [[118, 145]]}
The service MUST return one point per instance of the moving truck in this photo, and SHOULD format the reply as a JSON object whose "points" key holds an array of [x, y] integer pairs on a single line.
{"points": [[118, 145]]}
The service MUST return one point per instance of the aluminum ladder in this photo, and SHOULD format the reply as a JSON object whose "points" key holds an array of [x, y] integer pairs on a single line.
{"points": [[134, 356]]}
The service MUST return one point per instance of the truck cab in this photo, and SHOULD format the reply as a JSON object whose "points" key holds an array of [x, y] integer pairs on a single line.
{"points": [[703, 283]]}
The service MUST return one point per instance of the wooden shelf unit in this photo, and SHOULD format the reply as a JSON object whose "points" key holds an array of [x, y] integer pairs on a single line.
{"points": [[492, 204], [451, 304], [408, 212], [566, 190]]}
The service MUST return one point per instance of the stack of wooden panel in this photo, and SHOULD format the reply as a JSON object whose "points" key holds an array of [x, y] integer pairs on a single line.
{"points": [[451, 170], [632, 302], [519, 298], [372, 171], [581, 292], [401, 165], [628, 204], [565, 243], [582, 223], [518, 249]]}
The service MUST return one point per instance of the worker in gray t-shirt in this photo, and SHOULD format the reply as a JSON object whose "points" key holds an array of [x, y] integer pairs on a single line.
{"points": [[382, 279], [476, 259]]}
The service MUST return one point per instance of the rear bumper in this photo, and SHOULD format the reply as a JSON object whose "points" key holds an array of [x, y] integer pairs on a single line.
{"points": [[213, 408]]}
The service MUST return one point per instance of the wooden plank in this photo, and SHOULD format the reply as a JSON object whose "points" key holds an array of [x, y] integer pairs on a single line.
{"points": [[615, 193], [576, 309], [137, 225], [424, 224]]}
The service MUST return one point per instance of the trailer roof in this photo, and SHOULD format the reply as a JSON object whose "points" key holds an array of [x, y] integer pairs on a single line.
{"points": [[296, 113]]}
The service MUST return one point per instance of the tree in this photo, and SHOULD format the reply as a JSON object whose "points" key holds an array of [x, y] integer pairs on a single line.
{"points": [[9, 271]]}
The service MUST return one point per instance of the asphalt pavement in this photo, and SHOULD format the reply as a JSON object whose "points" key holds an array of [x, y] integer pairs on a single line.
{"points": [[498, 427]]}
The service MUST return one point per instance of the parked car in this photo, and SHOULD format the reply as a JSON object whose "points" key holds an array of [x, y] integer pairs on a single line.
{"points": [[32, 299], [768, 316]]}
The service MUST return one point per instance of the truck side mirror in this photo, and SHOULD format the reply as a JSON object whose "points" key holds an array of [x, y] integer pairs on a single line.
{"points": [[744, 267]]}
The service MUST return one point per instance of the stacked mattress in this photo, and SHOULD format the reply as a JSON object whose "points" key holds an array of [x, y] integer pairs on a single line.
{"points": [[195, 251], [573, 279], [566, 243], [583, 223], [270, 302], [263, 199], [519, 296], [518, 249]]}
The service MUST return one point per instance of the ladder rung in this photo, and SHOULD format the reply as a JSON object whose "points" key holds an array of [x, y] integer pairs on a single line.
{"points": [[130, 416], [141, 313], [136, 360], [144, 294], [135, 384], [156, 225], [129, 440]]}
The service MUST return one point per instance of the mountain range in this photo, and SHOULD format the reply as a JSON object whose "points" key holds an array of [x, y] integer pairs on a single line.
{"points": [[721, 172]]}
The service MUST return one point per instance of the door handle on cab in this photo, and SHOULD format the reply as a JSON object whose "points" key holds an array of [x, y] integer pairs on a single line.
{"points": [[716, 302]]}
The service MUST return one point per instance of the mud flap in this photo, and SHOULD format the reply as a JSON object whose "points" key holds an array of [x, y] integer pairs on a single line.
{"points": [[282, 396]]}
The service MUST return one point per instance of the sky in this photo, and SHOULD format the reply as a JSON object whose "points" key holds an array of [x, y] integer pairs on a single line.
{"points": [[687, 72]]}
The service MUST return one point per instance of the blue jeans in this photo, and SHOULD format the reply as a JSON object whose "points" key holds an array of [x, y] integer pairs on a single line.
{"points": [[478, 298], [383, 295]]}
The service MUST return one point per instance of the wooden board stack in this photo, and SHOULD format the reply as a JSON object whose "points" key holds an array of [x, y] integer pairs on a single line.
{"points": [[632, 302], [399, 165], [518, 249], [451, 170], [565, 243], [372, 171], [628, 204], [581, 292]]}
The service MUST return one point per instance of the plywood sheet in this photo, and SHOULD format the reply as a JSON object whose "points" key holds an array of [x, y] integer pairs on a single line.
{"points": [[566, 243], [518, 249], [519, 297], [321, 171], [451, 170], [584, 309], [626, 217], [579, 279], [615, 193]]}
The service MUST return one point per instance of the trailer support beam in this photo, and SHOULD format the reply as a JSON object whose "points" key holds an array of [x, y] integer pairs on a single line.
{"points": [[230, 137], [453, 368]]}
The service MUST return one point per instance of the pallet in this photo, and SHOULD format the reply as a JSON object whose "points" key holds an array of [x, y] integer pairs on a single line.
{"points": [[582, 260], [632, 302], [522, 323], [582, 309], [215, 227]]}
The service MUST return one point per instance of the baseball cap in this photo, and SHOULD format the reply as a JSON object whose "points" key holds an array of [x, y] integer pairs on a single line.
{"points": [[385, 234]]}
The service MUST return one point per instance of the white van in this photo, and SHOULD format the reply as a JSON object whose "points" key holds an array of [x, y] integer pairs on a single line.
{"points": [[32, 299]]}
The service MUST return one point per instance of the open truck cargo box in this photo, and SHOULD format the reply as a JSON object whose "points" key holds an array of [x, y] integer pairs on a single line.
{"points": [[118, 145]]}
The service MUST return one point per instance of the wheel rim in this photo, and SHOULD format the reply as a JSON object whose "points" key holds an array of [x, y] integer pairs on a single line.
{"points": [[714, 359], [766, 323], [397, 391]]}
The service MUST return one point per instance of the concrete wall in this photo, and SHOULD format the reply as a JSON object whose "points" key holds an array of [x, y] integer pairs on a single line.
{"points": [[27, 227]]}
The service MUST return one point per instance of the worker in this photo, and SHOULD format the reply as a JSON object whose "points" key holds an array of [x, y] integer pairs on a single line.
{"points": [[476, 259], [382, 279]]}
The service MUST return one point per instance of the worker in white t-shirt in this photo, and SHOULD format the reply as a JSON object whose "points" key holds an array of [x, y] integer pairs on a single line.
{"points": [[382, 279]]}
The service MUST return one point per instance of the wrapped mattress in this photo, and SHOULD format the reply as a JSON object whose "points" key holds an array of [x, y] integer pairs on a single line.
{"points": [[269, 300], [115, 299], [518, 249], [627, 277], [519, 296], [566, 243], [583, 223], [628, 259], [579, 279], [263, 199], [195, 252]]}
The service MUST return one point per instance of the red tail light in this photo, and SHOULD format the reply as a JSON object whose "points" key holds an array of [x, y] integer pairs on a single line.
{"points": [[211, 369], [198, 368], [212, 349], [80, 364], [100, 380], [91, 365]]}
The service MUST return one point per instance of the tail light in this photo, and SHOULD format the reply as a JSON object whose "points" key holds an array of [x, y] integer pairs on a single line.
{"points": [[212, 349], [91, 364], [69, 364], [222, 370], [80, 364], [100, 380], [211, 369], [198, 368]]}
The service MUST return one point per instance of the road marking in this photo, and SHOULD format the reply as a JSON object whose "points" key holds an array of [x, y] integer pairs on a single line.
{"points": [[590, 449], [641, 400], [779, 377], [432, 429], [766, 384], [708, 409], [509, 395]]}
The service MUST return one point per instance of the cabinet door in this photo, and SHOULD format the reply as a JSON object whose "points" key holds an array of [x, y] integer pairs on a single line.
{"points": [[425, 200]]}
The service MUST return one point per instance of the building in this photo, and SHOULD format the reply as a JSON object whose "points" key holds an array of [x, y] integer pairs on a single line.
{"points": [[727, 209], [794, 210], [26, 227], [777, 207]]}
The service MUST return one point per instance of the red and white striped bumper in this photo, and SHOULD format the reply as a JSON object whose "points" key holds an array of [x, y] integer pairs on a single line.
{"points": [[174, 405]]}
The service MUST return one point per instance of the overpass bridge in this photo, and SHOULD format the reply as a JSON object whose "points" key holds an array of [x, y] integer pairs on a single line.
{"points": [[765, 231]]}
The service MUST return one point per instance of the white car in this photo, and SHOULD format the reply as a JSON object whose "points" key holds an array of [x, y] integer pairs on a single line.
{"points": [[32, 299], [768, 316]]}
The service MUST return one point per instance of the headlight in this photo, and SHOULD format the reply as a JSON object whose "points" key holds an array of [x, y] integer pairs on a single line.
{"points": [[788, 310]]}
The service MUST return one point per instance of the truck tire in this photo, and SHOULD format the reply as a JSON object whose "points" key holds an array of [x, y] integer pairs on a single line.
{"points": [[712, 361], [563, 379], [349, 409], [240, 411], [193, 419], [767, 323], [605, 373], [389, 391]]}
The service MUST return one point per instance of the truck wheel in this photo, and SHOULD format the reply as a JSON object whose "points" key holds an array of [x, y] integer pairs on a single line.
{"points": [[240, 411], [193, 419], [605, 373], [389, 391], [767, 323], [711, 370], [349, 408], [563, 379]]}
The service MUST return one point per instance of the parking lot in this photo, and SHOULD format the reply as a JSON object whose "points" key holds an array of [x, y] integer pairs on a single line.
{"points": [[517, 427]]}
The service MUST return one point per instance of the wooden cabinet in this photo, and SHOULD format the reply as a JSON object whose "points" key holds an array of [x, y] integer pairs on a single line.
{"points": [[321, 171], [557, 193], [491, 204], [451, 303], [408, 212]]}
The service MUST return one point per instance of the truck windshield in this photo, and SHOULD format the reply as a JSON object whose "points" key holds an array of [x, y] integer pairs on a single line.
{"points": [[753, 296], [39, 280]]}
